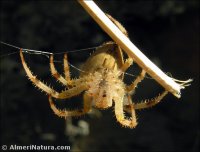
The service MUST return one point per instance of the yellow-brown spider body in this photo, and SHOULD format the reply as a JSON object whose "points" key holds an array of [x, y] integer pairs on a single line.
{"points": [[105, 75], [101, 80]]}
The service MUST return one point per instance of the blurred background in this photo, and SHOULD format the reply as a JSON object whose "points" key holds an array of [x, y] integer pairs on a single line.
{"points": [[167, 32]]}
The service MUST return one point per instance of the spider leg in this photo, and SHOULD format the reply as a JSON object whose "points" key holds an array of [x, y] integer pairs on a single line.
{"points": [[55, 73], [132, 86], [72, 91], [65, 113], [146, 103], [66, 69], [119, 113], [63, 95], [119, 25], [127, 64], [35, 81], [132, 110]]}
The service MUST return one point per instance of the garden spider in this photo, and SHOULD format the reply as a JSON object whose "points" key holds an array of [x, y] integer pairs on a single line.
{"points": [[101, 80]]}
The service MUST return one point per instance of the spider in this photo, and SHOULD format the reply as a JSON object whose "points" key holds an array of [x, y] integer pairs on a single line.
{"points": [[101, 80]]}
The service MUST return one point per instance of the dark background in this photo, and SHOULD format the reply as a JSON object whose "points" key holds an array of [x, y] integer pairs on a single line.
{"points": [[166, 31]]}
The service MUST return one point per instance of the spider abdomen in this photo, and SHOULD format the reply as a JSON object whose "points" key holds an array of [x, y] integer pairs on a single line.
{"points": [[108, 56]]}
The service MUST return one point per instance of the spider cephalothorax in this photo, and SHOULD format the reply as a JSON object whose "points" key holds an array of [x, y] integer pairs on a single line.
{"points": [[101, 80]]}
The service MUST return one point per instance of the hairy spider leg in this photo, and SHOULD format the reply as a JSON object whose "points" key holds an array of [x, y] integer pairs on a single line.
{"points": [[134, 84], [55, 73], [119, 25], [63, 95], [132, 112], [66, 69], [67, 80], [119, 113], [147, 103], [126, 64], [67, 113]]}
